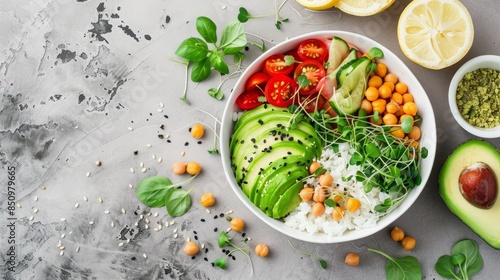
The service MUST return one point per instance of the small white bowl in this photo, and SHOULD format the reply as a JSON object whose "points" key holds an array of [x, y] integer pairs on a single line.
{"points": [[395, 65], [484, 61]]}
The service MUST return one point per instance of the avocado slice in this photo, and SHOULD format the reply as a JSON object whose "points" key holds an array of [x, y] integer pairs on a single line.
{"points": [[262, 109], [481, 221], [288, 201]]}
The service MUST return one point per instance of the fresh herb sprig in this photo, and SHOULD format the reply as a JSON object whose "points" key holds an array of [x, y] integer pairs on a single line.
{"points": [[465, 261], [197, 52], [223, 241], [244, 15], [322, 262], [405, 268], [159, 191]]}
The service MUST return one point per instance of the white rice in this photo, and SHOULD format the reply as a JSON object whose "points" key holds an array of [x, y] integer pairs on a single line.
{"points": [[365, 217]]}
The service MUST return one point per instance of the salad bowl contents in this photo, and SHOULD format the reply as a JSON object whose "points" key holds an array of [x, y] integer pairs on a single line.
{"points": [[328, 137]]}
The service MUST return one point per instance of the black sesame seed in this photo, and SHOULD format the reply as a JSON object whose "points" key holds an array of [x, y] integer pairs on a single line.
{"points": [[221, 215], [199, 142], [168, 141], [206, 259], [215, 229], [136, 152], [243, 234], [162, 126], [246, 48], [133, 258], [196, 237], [194, 231], [165, 116], [202, 220], [261, 122], [206, 250], [215, 217], [193, 257], [160, 136], [186, 144], [233, 257], [190, 129], [213, 264]]}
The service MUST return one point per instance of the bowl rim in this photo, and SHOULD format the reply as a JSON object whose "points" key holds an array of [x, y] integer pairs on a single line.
{"points": [[227, 124], [482, 61]]}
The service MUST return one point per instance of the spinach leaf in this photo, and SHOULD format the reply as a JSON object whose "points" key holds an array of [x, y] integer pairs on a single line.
{"points": [[178, 202], [233, 38], [151, 191], [193, 49], [465, 261], [405, 268], [201, 70], [445, 268], [207, 29]]}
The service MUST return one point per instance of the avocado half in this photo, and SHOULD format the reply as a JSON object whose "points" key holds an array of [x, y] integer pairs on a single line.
{"points": [[485, 222]]}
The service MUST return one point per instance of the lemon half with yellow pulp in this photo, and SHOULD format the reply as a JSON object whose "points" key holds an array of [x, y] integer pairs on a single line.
{"points": [[435, 33], [318, 5], [363, 7]]}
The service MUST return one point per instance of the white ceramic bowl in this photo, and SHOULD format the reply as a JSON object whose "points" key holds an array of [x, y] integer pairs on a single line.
{"points": [[395, 65], [484, 61]]}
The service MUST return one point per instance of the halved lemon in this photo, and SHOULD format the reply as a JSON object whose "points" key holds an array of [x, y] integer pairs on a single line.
{"points": [[435, 33], [317, 4], [363, 7]]}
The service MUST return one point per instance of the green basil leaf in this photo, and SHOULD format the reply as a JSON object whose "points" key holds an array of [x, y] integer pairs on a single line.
{"points": [[445, 268], [216, 93], [218, 63], [238, 57], [207, 29], [201, 70], [193, 49], [233, 38], [152, 190], [177, 202]]}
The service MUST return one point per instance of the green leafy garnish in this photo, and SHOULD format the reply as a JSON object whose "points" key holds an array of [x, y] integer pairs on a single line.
{"points": [[177, 201], [405, 268], [223, 241], [322, 262], [465, 261], [244, 15], [289, 60]]}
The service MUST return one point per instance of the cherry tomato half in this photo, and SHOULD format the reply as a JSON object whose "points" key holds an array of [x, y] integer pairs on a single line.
{"points": [[313, 71], [312, 103], [257, 81], [280, 91], [313, 49], [276, 65], [249, 99]]}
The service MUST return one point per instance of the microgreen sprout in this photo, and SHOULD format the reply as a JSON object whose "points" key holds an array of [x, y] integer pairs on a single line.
{"points": [[321, 261], [244, 15], [223, 241], [214, 150]]}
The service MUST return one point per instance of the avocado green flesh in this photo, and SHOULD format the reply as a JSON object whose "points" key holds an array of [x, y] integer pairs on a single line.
{"points": [[481, 221], [288, 201], [269, 157]]}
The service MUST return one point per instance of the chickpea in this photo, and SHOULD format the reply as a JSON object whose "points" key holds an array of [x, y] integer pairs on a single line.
{"points": [[237, 224], [352, 259], [381, 70], [410, 108], [397, 97], [207, 200], [397, 132], [401, 88], [179, 168], [402, 117], [391, 77], [390, 119], [375, 81], [415, 133], [306, 193], [352, 204], [390, 85], [261, 250], [367, 106], [191, 248], [379, 105], [392, 107], [372, 120], [320, 195], [314, 166], [318, 209], [407, 97], [197, 131], [385, 92], [193, 168], [408, 243], [326, 180], [397, 234], [371, 93], [338, 213]]}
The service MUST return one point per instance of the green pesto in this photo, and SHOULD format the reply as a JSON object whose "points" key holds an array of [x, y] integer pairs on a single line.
{"points": [[478, 97]]}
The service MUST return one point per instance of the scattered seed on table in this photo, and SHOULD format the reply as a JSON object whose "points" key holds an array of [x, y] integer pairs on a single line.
{"points": [[144, 169], [159, 110], [159, 160], [63, 220], [156, 214], [183, 153], [149, 145], [166, 224], [202, 220], [221, 215], [175, 235], [123, 211], [215, 229], [188, 239], [61, 247], [161, 105], [63, 235], [229, 212], [167, 136], [130, 186], [85, 198], [43, 187], [100, 200], [91, 222], [215, 217], [120, 244], [186, 144], [30, 218], [162, 126], [153, 156], [35, 198], [112, 224], [228, 229], [148, 214], [129, 128], [141, 164], [141, 217], [159, 227], [196, 237], [175, 230], [243, 234], [136, 152], [193, 257], [206, 250], [77, 205], [207, 210], [172, 222], [35, 210], [202, 245], [147, 221], [128, 240], [248, 239], [88, 174], [106, 211], [61, 253], [77, 249], [132, 170], [145, 256], [146, 226], [206, 259], [18, 205]]}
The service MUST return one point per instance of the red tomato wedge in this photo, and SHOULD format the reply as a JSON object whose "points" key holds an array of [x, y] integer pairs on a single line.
{"points": [[249, 99], [313, 71], [276, 65], [280, 91], [313, 49], [257, 81]]}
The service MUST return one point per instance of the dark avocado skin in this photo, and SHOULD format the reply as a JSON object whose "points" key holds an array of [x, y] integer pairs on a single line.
{"points": [[479, 220], [270, 159]]}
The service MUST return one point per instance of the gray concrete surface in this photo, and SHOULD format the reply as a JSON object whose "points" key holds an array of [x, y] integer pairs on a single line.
{"points": [[83, 81]]}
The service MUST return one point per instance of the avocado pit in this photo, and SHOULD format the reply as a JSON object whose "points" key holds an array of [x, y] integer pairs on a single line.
{"points": [[478, 185]]}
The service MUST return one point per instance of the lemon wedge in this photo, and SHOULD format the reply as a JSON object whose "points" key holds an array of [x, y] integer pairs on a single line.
{"points": [[435, 33], [363, 7], [317, 5]]}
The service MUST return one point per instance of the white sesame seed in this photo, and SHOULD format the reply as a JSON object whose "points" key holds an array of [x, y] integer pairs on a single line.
{"points": [[141, 164], [35, 210], [106, 211], [149, 145], [88, 174], [167, 136], [18, 205], [166, 224], [159, 110], [159, 226], [188, 239], [43, 187], [229, 212], [207, 210], [183, 153], [159, 160], [153, 156], [63, 235], [156, 229], [61, 247], [112, 224], [120, 244], [77, 249], [228, 229], [223, 7], [148, 214], [132, 170], [144, 169], [59, 244], [144, 255], [141, 217], [128, 240], [61, 253], [130, 186], [100, 200], [77, 204], [91, 222], [249, 238], [98, 163], [172, 222], [30, 218], [146, 226], [175, 230], [147, 221], [136, 224], [161, 105], [155, 214], [123, 211], [85, 198], [202, 245], [63, 220], [175, 235], [129, 128], [35, 198]]}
